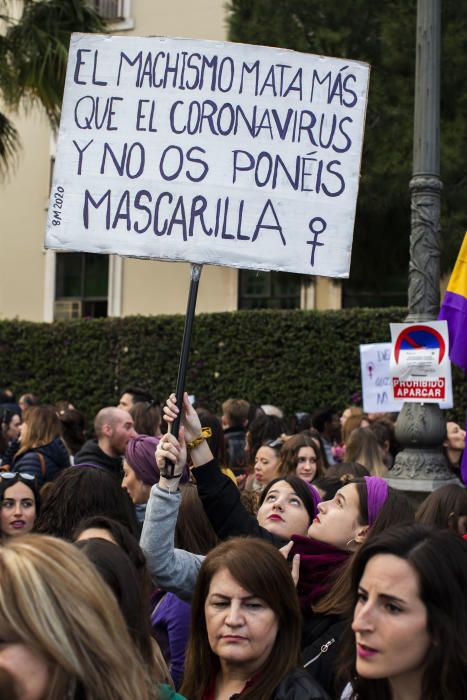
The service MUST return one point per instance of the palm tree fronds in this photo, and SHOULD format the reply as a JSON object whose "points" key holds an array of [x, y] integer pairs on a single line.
{"points": [[9, 144]]}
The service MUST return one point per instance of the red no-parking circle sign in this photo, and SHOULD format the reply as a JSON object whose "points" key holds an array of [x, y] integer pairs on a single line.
{"points": [[419, 363]]}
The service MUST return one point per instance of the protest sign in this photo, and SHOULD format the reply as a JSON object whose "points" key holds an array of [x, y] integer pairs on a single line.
{"points": [[377, 381], [419, 363], [208, 152]]}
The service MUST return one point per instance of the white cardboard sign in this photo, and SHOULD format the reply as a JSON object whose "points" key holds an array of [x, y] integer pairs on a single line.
{"points": [[208, 152], [377, 381], [419, 364]]}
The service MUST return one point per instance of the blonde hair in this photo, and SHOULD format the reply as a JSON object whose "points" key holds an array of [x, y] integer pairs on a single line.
{"points": [[54, 601], [363, 448]]}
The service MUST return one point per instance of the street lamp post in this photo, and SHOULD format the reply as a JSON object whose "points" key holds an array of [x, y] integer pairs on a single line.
{"points": [[420, 428]]}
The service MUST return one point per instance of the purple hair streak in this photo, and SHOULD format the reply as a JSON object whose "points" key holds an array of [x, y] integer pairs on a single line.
{"points": [[377, 491]]}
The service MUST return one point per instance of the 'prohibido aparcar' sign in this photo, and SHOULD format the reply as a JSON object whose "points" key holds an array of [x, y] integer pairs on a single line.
{"points": [[208, 152]]}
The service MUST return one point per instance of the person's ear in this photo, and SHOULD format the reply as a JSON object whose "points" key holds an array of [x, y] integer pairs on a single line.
{"points": [[361, 534], [107, 430]]}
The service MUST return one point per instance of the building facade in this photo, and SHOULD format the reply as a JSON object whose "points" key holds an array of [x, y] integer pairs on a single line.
{"points": [[39, 285]]}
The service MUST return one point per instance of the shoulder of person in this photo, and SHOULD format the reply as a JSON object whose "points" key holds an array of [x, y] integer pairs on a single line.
{"points": [[168, 693], [299, 685]]}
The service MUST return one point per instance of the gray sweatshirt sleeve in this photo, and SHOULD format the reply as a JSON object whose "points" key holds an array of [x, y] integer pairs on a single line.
{"points": [[175, 570]]}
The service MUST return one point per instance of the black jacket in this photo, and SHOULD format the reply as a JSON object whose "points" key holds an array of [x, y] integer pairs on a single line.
{"points": [[235, 440], [54, 457], [91, 453], [221, 502], [321, 637], [298, 685]]}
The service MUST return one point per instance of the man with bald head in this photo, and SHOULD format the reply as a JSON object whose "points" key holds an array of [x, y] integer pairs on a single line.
{"points": [[114, 428]]}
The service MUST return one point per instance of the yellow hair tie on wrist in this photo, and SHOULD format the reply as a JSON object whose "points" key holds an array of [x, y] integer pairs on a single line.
{"points": [[204, 434]]}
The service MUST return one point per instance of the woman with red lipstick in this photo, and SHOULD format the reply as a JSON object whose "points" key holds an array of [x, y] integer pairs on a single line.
{"points": [[19, 503], [410, 617], [245, 633], [324, 545]]}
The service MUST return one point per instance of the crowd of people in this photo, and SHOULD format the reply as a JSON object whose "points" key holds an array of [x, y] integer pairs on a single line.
{"points": [[252, 555]]}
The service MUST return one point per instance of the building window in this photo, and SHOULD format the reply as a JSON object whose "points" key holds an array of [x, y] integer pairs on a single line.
{"points": [[81, 285], [269, 290], [116, 13]]}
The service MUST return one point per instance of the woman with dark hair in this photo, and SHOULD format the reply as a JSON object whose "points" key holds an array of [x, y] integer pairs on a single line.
{"points": [[147, 417], [261, 430], [73, 425], [322, 546], [300, 455], [410, 617], [100, 526], [446, 507], [171, 636], [245, 639], [19, 504], [454, 445], [42, 451], [79, 492], [119, 572], [10, 429]]}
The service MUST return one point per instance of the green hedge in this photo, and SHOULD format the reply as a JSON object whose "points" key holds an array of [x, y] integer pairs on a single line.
{"points": [[299, 360]]}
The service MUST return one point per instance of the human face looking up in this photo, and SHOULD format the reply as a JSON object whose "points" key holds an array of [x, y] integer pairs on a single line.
{"points": [[306, 463], [17, 510], [390, 624], [338, 520], [266, 463], [282, 512], [241, 627]]}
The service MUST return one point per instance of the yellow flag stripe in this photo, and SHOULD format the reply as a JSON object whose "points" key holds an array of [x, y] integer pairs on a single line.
{"points": [[458, 282]]}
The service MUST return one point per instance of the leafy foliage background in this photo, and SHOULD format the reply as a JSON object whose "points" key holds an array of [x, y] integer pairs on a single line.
{"points": [[382, 34], [299, 360]]}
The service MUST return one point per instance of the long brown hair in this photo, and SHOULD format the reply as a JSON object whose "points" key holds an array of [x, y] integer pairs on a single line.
{"points": [[290, 450], [260, 569], [444, 507], [42, 425], [193, 531]]}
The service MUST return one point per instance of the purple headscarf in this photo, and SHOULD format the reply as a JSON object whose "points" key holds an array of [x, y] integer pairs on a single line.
{"points": [[140, 454], [315, 496], [377, 492]]}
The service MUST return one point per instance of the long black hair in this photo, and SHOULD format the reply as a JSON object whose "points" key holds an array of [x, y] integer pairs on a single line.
{"points": [[80, 492]]}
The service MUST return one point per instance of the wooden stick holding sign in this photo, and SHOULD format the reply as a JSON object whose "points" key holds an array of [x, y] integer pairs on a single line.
{"points": [[184, 353]]}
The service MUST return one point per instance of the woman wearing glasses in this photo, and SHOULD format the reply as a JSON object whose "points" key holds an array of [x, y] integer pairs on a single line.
{"points": [[19, 504]]}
